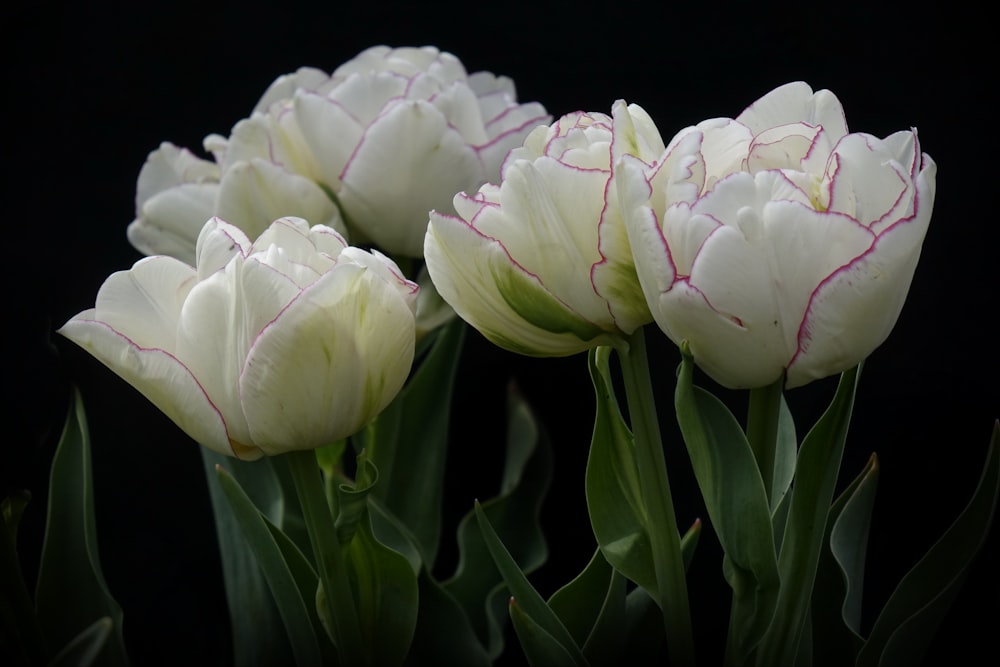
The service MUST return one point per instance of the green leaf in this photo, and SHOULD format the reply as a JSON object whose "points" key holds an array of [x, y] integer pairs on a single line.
{"points": [[578, 604], [291, 604], [527, 598], [836, 600], [386, 592], [540, 648], [592, 607], [71, 593], [476, 584], [914, 611], [784, 457], [21, 639], [86, 646], [258, 636], [643, 634], [409, 441], [737, 504], [816, 472], [458, 646], [614, 497]]}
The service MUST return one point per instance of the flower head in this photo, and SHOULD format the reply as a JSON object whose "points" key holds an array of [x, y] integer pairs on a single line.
{"points": [[388, 136], [777, 242], [540, 263], [290, 342]]}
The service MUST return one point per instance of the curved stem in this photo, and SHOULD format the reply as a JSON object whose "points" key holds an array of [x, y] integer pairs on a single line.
{"points": [[664, 536], [329, 557]]}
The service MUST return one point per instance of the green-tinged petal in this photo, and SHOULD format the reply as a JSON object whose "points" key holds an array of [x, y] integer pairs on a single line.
{"points": [[160, 377], [329, 363], [476, 275]]}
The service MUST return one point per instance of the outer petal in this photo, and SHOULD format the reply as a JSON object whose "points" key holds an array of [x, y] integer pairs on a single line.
{"points": [[255, 193], [328, 363], [853, 311], [508, 305], [408, 163], [170, 221], [144, 303], [158, 376]]}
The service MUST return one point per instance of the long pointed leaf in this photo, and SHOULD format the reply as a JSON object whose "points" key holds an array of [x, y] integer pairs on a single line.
{"points": [[540, 648], [737, 504], [836, 601], [525, 595], [816, 472], [458, 646], [258, 636], [476, 584], [71, 593], [290, 603], [614, 497], [904, 629]]}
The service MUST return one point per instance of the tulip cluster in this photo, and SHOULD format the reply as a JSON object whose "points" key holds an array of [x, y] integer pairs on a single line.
{"points": [[367, 150], [774, 248]]}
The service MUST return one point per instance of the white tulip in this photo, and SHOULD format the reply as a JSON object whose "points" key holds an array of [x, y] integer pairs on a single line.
{"points": [[291, 342], [388, 136], [540, 264], [778, 242]]}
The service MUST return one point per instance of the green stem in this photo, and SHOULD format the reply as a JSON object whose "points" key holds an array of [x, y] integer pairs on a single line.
{"points": [[329, 557], [668, 561], [762, 428]]}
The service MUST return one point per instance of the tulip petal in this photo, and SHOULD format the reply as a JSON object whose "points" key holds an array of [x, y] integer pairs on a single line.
{"points": [[508, 305], [220, 319], [169, 221], [853, 311], [161, 378], [144, 302], [408, 162], [329, 362], [218, 243], [255, 193]]}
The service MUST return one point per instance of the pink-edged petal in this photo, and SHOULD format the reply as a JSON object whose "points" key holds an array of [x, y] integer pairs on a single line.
{"points": [[161, 378], [408, 163], [218, 243], [286, 85], [793, 103], [854, 309], [145, 302], [868, 183], [220, 319], [547, 220], [653, 262], [328, 363], [511, 307]]}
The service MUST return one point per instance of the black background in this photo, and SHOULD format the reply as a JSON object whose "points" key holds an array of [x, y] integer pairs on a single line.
{"points": [[89, 91]]}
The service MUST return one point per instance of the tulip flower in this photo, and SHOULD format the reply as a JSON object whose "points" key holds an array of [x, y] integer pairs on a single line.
{"points": [[777, 242], [540, 264], [291, 342], [388, 136], [177, 191]]}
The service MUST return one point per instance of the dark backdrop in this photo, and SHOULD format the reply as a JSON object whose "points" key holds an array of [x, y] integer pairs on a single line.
{"points": [[89, 91]]}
